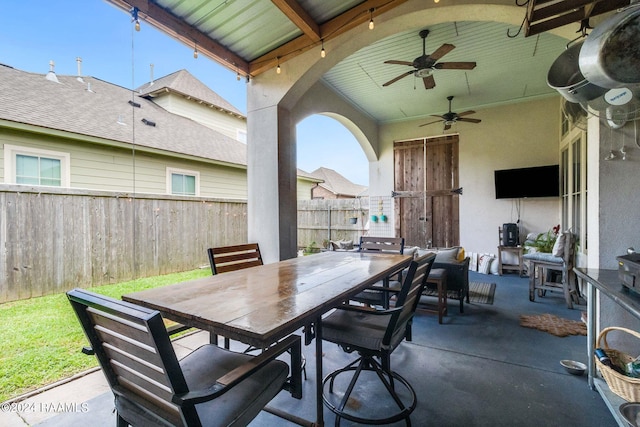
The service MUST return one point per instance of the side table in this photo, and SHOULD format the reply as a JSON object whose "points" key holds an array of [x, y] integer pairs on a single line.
{"points": [[518, 251]]}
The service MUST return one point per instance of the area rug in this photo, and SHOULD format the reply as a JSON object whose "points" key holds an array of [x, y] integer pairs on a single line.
{"points": [[479, 292], [554, 325]]}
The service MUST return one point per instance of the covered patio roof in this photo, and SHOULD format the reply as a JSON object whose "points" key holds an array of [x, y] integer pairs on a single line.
{"points": [[513, 50]]}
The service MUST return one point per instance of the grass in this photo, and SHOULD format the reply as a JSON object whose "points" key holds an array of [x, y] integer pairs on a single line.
{"points": [[41, 338]]}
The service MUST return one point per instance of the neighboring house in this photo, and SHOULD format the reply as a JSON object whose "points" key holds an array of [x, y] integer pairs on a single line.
{"points": [[335, 186], [170, 136]]}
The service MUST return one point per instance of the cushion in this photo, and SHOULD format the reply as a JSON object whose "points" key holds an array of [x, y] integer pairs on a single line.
{"points": [[542, 256], [558, 246], [412, 250], [447, 255], [341, 244]]}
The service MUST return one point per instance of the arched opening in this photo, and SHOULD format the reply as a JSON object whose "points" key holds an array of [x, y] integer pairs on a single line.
{"points": [[323, 142]]}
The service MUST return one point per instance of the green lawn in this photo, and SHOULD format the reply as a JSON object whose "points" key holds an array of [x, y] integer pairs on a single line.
{"points": [[41, 338]]}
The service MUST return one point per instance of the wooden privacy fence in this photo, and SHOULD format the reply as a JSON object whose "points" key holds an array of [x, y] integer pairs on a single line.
{"points": [[320, 221], [54, 240]]}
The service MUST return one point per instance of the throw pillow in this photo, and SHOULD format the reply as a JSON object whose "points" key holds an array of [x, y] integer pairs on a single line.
{"points": [[484, 263], [558, 246], [447, 255], [412, 250], [346, 244], [461, 254]]}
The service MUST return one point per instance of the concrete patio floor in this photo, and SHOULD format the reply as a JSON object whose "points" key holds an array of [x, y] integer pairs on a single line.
{"points": [[480, 368]]}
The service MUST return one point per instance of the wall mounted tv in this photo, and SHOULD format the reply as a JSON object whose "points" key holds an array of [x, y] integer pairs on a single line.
{"points": [[539, 181]]}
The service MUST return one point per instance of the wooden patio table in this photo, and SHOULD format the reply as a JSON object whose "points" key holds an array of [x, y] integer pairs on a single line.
{"points": [[264, 304]]}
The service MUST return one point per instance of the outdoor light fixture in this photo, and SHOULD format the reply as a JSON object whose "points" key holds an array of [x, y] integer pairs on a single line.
{"points": [[238, 75], [371, 25], [195, 50], [134, 17], [323, 53], [278, 70]]}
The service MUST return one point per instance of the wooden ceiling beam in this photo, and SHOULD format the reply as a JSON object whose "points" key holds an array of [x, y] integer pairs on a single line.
{"points": [[300, 17], [342, 23], [545, 15], [158, 17]]}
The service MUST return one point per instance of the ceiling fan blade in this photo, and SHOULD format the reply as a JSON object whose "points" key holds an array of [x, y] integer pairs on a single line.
{"points": [[408, 73], [447, 126], [466, 113], [430, 123], [455, 65], [429, 82], [442, 51], [463, 119], [392, 61]]}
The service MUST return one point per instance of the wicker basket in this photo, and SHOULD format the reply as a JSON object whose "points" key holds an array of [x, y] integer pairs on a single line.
{"points": [[626, 387]]}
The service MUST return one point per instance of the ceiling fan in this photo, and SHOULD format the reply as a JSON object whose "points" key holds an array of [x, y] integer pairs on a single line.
{"points": [[425, 64], [451, 118]]}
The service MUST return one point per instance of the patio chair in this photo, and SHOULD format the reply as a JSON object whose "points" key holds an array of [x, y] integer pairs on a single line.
{"points": [[211, 386], [237, 257], [544, 267], [391, 245], [375, 334], [232, 258]]}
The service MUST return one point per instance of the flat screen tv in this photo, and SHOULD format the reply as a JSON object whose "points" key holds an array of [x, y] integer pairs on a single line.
{"points": [[539, 181]]}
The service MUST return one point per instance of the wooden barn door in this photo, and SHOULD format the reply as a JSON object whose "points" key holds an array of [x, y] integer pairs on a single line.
{"points": [[426, 191]]}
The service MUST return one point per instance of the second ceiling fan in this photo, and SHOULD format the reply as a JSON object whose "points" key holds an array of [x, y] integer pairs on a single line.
{"points": [[424, 65], [451, 118]]}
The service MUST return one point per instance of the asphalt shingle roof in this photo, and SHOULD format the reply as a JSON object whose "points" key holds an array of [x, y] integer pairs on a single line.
{"points": [[337, 183], [184, 83], [70, 106]]}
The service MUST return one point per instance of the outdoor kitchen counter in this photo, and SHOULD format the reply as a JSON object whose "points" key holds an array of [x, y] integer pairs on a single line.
{"points": [[607, 282]]}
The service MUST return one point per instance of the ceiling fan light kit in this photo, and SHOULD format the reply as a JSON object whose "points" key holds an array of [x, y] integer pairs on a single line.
{"points": [[424, 65], [450, 118]]}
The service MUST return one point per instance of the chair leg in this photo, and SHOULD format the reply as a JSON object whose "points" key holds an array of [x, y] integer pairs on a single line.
{"points": [[121, 422], [565, 287], [387, 377]]}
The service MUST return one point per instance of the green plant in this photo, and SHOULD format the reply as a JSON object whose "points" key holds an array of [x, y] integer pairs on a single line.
{"points": [[544, 241], [310, 248]]}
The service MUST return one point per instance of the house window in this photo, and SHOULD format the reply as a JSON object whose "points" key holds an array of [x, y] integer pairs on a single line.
{"points": [[183, 182], [31, 166]]}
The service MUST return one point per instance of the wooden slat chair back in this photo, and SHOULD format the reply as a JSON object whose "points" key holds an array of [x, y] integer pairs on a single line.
{"points": [[382, 244], [232, 258], [141, 367]]}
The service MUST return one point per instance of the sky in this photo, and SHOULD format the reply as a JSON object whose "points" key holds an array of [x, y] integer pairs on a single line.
{"points": [[34, 32]]}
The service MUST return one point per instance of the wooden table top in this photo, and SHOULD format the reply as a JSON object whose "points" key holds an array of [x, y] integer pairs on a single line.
{"points": [[263, 304]]}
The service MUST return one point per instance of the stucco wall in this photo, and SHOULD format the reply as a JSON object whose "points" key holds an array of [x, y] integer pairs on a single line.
{"points": [[513, 136]]}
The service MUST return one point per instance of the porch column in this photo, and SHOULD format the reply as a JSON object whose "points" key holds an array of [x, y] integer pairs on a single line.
{"points": [[271, 174]]}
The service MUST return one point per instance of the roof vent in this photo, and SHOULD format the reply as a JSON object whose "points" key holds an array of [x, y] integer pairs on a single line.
{"points": [[89, 87], [134, 104], [120, 120], [79, 62], [149, 122], [51, 75]]}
